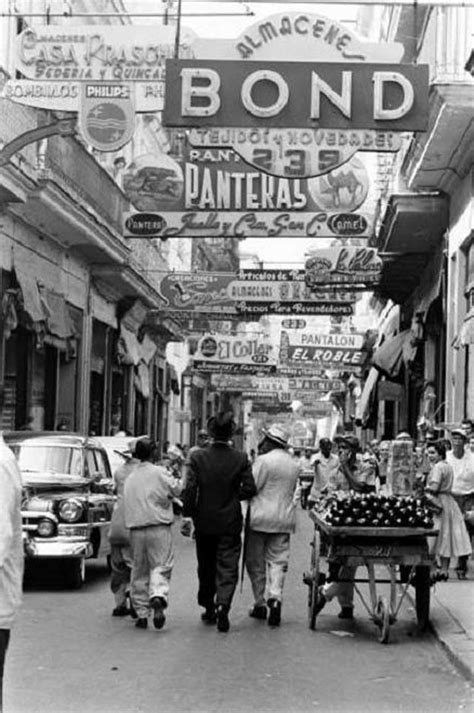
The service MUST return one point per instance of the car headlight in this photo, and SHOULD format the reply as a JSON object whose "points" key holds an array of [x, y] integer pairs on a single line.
{"points": [[46, 527], [70, 510]]}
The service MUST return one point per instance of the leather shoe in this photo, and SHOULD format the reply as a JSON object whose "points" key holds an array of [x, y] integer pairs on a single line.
{"points": [[121, 610], [274, 617], [258, 611], [222, 617], [346, 613], [209, 616], [158, 604], [141, 623]]}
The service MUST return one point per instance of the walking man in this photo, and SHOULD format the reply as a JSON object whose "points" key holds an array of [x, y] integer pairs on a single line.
{"points": [[11, 546], [218, 478], [119, 537], [271, 520], [148, 496]]}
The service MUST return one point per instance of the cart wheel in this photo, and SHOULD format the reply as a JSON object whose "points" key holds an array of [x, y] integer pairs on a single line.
{"points": [[422, 596], [382, 619], [314, 583]]}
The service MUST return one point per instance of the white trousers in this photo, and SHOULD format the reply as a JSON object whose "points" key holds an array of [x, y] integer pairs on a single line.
{"points": [[266, 558], [152, 564]]}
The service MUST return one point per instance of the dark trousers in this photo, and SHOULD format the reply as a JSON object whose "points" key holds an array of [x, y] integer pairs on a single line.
{"points": [[4, 639], [218, 568]]}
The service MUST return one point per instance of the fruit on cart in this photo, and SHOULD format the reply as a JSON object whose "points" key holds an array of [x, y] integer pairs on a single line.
{"points": [[376, 510]]}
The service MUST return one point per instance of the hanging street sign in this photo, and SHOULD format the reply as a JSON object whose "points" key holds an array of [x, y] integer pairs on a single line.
{"points": [[272, 224], [218, 179], [348, 265], [235, 354], [320, 409], [324, 350], [250, 293], [317, 338], [296, 153], [148, 97], [98, 52], [205, 93], [106, 115], [299, 36]]}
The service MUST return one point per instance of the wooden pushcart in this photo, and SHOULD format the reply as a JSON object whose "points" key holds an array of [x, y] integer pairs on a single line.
{"points": [[402, 550]]}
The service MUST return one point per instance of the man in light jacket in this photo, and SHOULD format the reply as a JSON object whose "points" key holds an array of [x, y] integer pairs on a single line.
{"points": [[148, 504], [271, 520], [11, 546]]}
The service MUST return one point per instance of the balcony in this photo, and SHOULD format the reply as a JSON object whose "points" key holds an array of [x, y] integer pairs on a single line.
{"points": [[445, 152]]}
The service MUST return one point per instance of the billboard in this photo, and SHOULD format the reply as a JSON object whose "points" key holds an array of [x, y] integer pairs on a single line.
{"points": [[235, 354]]}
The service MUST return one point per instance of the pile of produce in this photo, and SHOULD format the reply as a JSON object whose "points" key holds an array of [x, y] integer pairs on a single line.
{"points": [[376, 510]]}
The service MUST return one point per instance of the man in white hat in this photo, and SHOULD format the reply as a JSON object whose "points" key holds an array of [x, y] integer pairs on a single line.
{"points": [[462, 463], [271, 520]]}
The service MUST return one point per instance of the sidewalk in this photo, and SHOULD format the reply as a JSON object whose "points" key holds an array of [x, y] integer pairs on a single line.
{"points": [[452, 619]]}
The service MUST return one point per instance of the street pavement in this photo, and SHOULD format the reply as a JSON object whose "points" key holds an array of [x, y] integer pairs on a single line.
{"points": [[69, 655]]}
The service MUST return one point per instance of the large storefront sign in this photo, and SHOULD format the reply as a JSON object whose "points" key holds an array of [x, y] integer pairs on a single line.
{"points": [[204, 93], [296, 153], [348, 265], [171, 224], [320, 409], [318, 338]]}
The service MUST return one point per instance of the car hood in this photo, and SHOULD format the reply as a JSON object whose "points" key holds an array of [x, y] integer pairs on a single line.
{"points": [[54, 481]]}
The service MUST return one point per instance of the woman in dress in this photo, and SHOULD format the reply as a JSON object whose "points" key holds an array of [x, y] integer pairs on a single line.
{"points": [[453, 539]]}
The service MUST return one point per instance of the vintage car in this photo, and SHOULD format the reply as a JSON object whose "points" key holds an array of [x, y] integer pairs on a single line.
{"points": [[67, 498]]}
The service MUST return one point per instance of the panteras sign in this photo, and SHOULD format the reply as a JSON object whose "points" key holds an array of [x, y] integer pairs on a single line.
{"points": [[202, 93]]}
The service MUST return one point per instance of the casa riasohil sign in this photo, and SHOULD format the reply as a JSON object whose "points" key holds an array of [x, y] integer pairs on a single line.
{"points": [[202, 93]]}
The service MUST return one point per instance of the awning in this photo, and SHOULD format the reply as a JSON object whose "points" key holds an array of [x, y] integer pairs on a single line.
{"points": [[32, 303], [367, 397], [390, 356], [131, 347], [58, 319], [428, 289]]}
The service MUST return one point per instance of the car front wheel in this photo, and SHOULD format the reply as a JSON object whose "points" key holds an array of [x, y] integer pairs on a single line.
{"points": [[75, 572]]}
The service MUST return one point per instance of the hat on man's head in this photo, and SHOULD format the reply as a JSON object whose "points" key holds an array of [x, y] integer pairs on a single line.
{"points": [[277, 434], [221, 426], [351, 442], [203, 432], [459, 432]]}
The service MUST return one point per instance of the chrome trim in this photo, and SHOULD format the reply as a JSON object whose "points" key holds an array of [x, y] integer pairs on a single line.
{"points": [[55, 547]]}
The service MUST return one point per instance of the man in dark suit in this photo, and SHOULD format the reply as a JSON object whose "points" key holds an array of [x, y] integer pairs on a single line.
{"points": [[219, 477]]}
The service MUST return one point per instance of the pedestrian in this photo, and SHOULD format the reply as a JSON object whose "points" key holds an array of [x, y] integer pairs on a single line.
{"points": [[11, 545], [462, 463], [148, 495], [326, 469], [119, 538], [306, 476], [453, 539], [218, 478], [271, 520], [358, 475]]}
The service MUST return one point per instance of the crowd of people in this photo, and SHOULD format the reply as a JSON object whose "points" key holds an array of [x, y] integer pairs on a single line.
{"points": [[222, 492]]}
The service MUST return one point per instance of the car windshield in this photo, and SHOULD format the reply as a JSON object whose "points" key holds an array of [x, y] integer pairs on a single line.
{"points": [[51, 459]]}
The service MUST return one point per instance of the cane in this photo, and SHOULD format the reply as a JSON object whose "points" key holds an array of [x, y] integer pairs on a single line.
{"points": [[244, 546]]}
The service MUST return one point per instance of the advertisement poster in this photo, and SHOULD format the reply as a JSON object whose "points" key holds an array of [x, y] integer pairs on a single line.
{"points": [[235, 354], [346, 265]]}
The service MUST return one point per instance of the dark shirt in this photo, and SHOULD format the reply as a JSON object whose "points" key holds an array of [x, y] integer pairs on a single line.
{"points": [[218, 478]]}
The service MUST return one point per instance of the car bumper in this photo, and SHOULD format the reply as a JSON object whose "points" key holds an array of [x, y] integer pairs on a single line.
{"points": [[56, 547]]}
